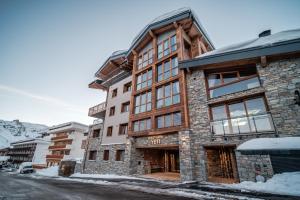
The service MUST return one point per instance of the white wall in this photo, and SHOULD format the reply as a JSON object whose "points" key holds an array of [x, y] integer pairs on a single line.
{"points": [[40, 153], [118, 118]]}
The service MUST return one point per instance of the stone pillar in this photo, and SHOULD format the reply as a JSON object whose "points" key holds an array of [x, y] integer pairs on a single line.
{"points": [[130, 156], [186, 163]]}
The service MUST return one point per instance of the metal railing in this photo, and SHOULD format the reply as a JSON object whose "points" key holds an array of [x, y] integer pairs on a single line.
{"points": [[244, 124], [97, 108]]}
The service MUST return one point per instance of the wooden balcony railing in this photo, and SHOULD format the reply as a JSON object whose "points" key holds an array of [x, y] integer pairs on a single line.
{"points": [[98, 110], [57, 146], [60, 137], [55, 156]]}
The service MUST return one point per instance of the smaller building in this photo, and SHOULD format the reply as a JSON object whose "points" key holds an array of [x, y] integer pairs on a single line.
{"points": [[67, 142], [30, 150], [4, 155]]}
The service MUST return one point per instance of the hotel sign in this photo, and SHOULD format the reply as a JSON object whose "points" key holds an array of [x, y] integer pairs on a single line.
{"points": [[155, 140]]}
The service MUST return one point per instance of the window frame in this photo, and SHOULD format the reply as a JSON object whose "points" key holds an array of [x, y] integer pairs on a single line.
{"points": [[163, 72], [172, 95], [109, 131], [146, 81], [106, 155], [112, 111], [146, 104], [171, 120], [127, 87], [94, 156], [98, 133], [118, 155], [114, 93], [140, 65], [139, 124], [125, 105], [170, 49], [120, 129]]}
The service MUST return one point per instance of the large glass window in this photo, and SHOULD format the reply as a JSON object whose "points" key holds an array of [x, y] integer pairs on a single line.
{"points": [[246, 116], [234, 81], [168, 120], [166, 47], [142, 103], [167, 69], [168, 95], [145, 58], [144, 80], [142, 125]]}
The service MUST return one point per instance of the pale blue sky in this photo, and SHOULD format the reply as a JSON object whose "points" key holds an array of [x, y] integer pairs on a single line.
{"points": [[50, 50]]}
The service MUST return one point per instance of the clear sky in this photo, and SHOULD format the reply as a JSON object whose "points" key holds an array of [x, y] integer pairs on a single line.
{"points": [[50, 50]]}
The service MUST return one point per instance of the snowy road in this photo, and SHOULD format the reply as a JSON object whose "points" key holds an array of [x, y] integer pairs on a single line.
{"points": [[23, 187]]}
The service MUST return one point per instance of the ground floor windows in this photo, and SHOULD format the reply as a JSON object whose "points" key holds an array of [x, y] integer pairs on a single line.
{"points": [[92, 155], [244, 116], [142, 125], [169, 120], [106, 155], [120, 155]]}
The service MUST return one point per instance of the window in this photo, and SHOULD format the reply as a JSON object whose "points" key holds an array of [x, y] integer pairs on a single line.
{"points": [[234, 81], [166, 47], [112, 111], [96, 133], [144, 80], [127, 87], [92, 155], [142, 125], [120, 154], [244, 116], [114, 92], [142, 103], [167, 69], [167, 95], [106, 155], [123, 128], [169, 120], [109, 131], [85, 133], [145, 58], [125, 107]]}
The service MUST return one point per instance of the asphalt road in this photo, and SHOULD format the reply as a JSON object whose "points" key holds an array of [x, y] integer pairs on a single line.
{"points": [[23, 187]]}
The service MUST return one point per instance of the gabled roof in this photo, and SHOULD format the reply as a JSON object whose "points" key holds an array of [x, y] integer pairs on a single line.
{"points": [[166, 19], [278, 43]]}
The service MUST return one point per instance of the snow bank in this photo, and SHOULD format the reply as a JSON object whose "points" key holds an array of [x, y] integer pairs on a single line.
{"points": [[285, 143], [103, 176], [4, 158], [51, 171], [285, 183]]}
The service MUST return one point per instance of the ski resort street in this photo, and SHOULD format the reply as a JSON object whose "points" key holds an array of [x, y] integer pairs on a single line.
{"points": [[22, 187]]}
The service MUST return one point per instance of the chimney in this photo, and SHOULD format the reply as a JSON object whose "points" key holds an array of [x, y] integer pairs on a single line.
{"points": [[265, 33]]}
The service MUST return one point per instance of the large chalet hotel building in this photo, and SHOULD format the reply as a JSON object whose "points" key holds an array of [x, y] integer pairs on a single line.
{"points": [[163, 114]]}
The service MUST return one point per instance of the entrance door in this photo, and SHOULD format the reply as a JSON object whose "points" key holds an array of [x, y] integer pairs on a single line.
{"points": [[221, 164], [172, 162]]}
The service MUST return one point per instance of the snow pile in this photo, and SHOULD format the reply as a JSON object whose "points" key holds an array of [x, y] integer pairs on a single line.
{"points": [[285, 184], [51, 171], [285, 143], [12, 131], [103, 176], [4, 158]]}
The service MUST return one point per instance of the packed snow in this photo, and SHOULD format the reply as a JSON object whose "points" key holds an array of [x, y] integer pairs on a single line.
{"points": [[285, 184], [50, 171], [103, 176], [12, 131], [285, 143]]}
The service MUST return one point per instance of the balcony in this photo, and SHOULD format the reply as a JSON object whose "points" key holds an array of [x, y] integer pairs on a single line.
{"points": [[62, 137], [98, 111], [53, 156], [57, 147], [262, 123]]}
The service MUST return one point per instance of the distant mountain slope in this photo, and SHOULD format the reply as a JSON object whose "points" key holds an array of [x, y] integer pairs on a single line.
{"points": [[15, 130]]}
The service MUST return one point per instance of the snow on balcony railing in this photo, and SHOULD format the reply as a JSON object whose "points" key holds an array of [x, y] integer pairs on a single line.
{"points": [[245, 124], [97, 109], [57, 146]]}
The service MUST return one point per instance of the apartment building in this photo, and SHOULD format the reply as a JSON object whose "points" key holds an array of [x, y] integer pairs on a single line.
{"points": [[67, 142], [244, 109], [29, 150], [107, 145]]}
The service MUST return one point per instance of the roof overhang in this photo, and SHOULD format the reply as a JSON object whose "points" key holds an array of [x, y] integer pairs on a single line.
{"points": [[286, 47], [96, 84]]}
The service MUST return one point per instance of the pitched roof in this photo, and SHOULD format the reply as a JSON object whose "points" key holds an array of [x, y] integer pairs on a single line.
{"points": [[169, 18], [281, 42]]}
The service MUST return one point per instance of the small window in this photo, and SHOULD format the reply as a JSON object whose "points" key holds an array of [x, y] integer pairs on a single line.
{"points": [[125, 107], [106, 155], [120, 154], [109, 131], [85, 134], [123, 129], [96, 133], [127, 87], [114, 92], [92, 155], [112, 111]]}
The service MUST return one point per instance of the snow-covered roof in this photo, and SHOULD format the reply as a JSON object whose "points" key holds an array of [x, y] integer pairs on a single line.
{"points": [[281, 42], [68, 126], [168, 18], [284, 143]]}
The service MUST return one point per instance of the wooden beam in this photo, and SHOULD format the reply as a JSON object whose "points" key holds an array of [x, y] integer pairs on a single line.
{"points": [[152, 34], [263, 61], [175, 25], [113, 63]]}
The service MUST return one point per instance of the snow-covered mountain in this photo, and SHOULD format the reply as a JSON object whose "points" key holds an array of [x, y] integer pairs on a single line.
{"points": [[15, 130]]}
